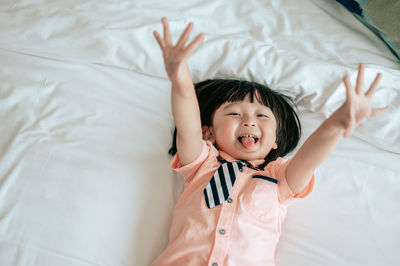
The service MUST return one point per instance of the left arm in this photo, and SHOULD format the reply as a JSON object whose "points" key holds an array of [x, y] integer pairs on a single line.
{"points": [[340, 124]]}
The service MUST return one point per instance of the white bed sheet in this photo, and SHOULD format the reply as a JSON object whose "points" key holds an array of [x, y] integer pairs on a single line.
{"points": [[85, 126]]}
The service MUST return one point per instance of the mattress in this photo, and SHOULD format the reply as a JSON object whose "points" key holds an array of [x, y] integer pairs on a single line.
{"points": [[86, 124]]}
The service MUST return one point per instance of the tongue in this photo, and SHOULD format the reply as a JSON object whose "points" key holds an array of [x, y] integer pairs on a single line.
{"points": [[248, 142]]}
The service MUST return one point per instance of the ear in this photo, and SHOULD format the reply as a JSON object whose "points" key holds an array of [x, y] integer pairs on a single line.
{"points": [[208, 133], [275, 146]]}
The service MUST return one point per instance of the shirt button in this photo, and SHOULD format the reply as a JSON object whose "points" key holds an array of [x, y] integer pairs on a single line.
{"points": [[222, 231], [240, 169], [215, 264], [229, 200]]}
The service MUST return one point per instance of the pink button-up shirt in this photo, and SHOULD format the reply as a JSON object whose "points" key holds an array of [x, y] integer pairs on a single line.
{"points": [[243, 230]]}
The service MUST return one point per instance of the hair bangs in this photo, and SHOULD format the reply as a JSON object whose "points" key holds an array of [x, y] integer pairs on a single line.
{"points": [[240, 89]]}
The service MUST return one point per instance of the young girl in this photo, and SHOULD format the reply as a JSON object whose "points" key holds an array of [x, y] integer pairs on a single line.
{"points": [[230, 138]]}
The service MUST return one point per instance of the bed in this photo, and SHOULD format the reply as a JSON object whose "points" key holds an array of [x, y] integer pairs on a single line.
{"points": [[85, 126]]}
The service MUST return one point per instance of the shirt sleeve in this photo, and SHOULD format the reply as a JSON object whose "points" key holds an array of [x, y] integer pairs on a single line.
{"points": [[277, 169], [188, 171]]}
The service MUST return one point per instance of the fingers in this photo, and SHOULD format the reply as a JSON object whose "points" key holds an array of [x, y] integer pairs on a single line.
{"points": [[179, 50], [349, 88], [185, 35], [371, 91], [360, 83], [379, 111], [193, 45], [346, 81], [167, 32], [167, 40], [160, 41], [360, 78]]}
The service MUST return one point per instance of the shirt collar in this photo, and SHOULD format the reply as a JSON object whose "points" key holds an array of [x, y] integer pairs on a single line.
{"points": [[227, 157]]}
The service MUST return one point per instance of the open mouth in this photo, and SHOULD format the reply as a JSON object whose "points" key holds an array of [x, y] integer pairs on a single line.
{"points": [[248, 141]]}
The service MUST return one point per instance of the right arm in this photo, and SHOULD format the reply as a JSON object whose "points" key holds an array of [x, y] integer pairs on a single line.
{"points": [[185, 108]]}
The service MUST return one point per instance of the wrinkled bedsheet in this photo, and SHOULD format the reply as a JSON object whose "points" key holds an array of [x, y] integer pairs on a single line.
{"points": [[85, 126]]}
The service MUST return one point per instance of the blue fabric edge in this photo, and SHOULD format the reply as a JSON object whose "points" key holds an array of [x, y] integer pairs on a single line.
{"points": [[356, 9]]}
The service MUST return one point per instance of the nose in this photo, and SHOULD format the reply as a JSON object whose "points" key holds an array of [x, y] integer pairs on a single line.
{"points": [[248, 122]]}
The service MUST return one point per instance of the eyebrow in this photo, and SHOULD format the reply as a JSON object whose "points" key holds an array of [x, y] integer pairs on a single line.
{"points": [[229, 105], [234, 103]]}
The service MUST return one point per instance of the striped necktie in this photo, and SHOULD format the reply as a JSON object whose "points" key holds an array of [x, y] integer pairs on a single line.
{"points": [[220, 186]]}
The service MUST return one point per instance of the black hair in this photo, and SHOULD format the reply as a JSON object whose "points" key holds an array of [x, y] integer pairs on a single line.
{"points": [[212, 93]]}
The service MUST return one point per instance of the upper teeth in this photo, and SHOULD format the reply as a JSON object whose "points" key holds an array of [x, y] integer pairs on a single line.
{"points": [[248, 136]]}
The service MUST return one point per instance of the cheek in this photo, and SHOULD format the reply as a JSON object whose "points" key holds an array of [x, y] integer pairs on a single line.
{"points": [[225, 129], [270, 131]]}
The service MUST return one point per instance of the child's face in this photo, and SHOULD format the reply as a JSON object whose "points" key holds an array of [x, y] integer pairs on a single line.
{"points": [[244, 130]]}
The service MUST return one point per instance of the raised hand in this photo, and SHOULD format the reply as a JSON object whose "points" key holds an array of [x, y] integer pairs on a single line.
{"points": [[358, 104], [175, 56], [341, 123]]}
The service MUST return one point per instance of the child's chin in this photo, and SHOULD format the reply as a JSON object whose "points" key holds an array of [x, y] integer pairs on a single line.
{"points": [[248, 156]]}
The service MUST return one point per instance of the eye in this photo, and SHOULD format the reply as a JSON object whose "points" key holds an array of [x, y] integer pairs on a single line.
{"points": [[262, 115], [234, 114]]}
